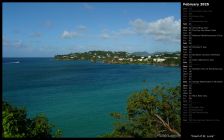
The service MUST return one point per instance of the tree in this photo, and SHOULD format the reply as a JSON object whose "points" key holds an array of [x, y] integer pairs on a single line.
{"points": [[154, 113], [16, 124]]}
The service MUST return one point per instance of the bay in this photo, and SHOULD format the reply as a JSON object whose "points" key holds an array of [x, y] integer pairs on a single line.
{"points": [[78, 96]]}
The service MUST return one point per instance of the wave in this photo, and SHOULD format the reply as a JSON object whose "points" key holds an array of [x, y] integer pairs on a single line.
{"points": [[14, 62]]}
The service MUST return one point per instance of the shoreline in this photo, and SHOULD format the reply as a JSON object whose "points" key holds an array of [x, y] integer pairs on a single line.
{"points": [[153, 64]]}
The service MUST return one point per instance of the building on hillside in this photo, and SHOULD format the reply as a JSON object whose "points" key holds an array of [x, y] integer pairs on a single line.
{"points": [[159, 59]]}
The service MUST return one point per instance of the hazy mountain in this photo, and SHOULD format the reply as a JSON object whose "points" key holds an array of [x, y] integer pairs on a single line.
{"points": [[165, 52], [141, 53]]}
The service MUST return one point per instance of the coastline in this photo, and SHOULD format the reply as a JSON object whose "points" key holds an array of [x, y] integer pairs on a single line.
{"points": [[98, 61], [162, 59]]}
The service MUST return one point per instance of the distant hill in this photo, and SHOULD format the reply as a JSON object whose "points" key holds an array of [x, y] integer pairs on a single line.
{"points": [[121, 57], [165, 52], [155, 53], [141, 53]]}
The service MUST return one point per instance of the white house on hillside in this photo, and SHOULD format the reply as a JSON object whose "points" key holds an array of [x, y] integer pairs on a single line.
{"points": [[159, 59]]}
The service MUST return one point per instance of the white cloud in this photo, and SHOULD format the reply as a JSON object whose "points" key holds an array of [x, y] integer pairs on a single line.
{"points": [[69, 34], [81, 28], [105, 36], [13, 43], [166, 29], [18, 43], [73, 34], [139, 25]]}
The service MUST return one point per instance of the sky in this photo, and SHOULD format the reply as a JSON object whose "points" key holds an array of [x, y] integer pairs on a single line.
{"points": [[48, 29]]}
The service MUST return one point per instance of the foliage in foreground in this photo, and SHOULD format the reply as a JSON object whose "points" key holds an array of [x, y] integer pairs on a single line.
{"points": [[154, 113], [16, 124]]}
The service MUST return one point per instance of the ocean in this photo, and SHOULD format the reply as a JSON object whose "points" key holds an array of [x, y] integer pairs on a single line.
{"points": [[78, 96]]}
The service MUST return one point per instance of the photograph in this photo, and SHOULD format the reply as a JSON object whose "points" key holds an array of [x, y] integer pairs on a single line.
{"points": [[91, 70]]}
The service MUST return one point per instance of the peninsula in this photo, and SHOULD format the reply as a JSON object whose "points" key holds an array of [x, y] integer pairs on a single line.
{"points": [[121, 57]]}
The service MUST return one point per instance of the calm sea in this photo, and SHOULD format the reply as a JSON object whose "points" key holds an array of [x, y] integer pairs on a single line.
{"points": [[78, 96]]}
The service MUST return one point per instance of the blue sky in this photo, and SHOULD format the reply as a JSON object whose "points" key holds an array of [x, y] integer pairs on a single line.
{"points": [[47, 29]]}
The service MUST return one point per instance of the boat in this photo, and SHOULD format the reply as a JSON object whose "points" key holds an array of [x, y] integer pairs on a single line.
{"points": [[16, 62]]}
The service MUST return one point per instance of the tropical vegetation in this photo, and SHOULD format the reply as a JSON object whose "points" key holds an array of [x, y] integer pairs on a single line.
{"points": [[155, 113], [16, 124]]}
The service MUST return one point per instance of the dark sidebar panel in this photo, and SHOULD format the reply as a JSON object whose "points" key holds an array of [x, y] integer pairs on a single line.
{"points": [[202, 69]]}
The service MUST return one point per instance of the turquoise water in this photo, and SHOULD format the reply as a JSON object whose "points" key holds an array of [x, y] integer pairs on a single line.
{"points": [[77, 96]]}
